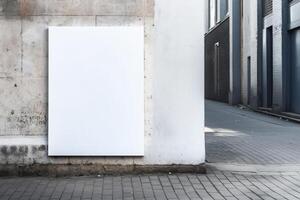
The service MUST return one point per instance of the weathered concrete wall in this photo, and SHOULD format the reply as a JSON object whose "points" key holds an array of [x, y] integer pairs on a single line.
{"points": [[77, 7], [173, 76], [23, 71]]}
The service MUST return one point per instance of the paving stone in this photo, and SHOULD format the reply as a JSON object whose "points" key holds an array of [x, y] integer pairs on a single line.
{"points": [[244, 187], [238, 136], [243, 141]]}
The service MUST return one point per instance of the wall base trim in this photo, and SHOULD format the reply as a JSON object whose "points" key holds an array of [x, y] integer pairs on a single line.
{"points": [[57, 170]]}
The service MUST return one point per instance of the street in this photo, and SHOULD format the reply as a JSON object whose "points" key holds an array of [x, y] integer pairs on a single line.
{"points": [[249, 156]]}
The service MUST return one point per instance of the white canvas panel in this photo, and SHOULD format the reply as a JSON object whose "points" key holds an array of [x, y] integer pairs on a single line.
{"points": [[96, 91]]}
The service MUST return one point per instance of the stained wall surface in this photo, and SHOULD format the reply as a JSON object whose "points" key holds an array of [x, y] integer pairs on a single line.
{"points": [[174, 46]]}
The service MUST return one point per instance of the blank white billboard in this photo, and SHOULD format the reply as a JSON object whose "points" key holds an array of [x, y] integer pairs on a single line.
{"points": [[96, 91]]}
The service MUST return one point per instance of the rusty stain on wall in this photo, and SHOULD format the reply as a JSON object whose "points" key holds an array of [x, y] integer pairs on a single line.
{"points": [[15, 7], [77, 7], [24, 8]]}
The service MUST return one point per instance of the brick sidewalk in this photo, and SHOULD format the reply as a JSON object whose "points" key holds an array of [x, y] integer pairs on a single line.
{"points": [[215, 185], [245, 137], [250, 156]]}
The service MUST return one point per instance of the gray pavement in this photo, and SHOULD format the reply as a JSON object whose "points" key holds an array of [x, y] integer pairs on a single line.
{"points": [[215, 185], [250, 156], [238, 136]]}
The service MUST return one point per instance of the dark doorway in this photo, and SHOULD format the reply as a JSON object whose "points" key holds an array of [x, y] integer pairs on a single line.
{"points": [[217, 69], [267, 84], [249, 80], [295, 71]]}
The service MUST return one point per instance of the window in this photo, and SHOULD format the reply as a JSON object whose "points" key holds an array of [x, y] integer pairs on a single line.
{"points": [[222, 9], [218, 10], [267, 7], [212, 13]]}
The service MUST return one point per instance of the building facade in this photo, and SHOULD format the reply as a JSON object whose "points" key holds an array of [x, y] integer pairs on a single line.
{"points": [[263, 53], [173, 89]]}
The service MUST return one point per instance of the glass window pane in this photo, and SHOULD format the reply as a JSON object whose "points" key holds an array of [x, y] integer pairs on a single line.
{"points": [[212, 17], [222, 9]]}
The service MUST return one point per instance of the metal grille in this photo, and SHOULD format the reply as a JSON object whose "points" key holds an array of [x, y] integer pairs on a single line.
{"points": [[267, 7]]}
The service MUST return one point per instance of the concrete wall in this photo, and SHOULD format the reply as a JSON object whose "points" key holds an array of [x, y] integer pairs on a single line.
{"points": [[178, 82], [249, 49], [173, 76]]}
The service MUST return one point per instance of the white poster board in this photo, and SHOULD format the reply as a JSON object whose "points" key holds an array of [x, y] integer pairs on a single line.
{"points": [[96, 91]]}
